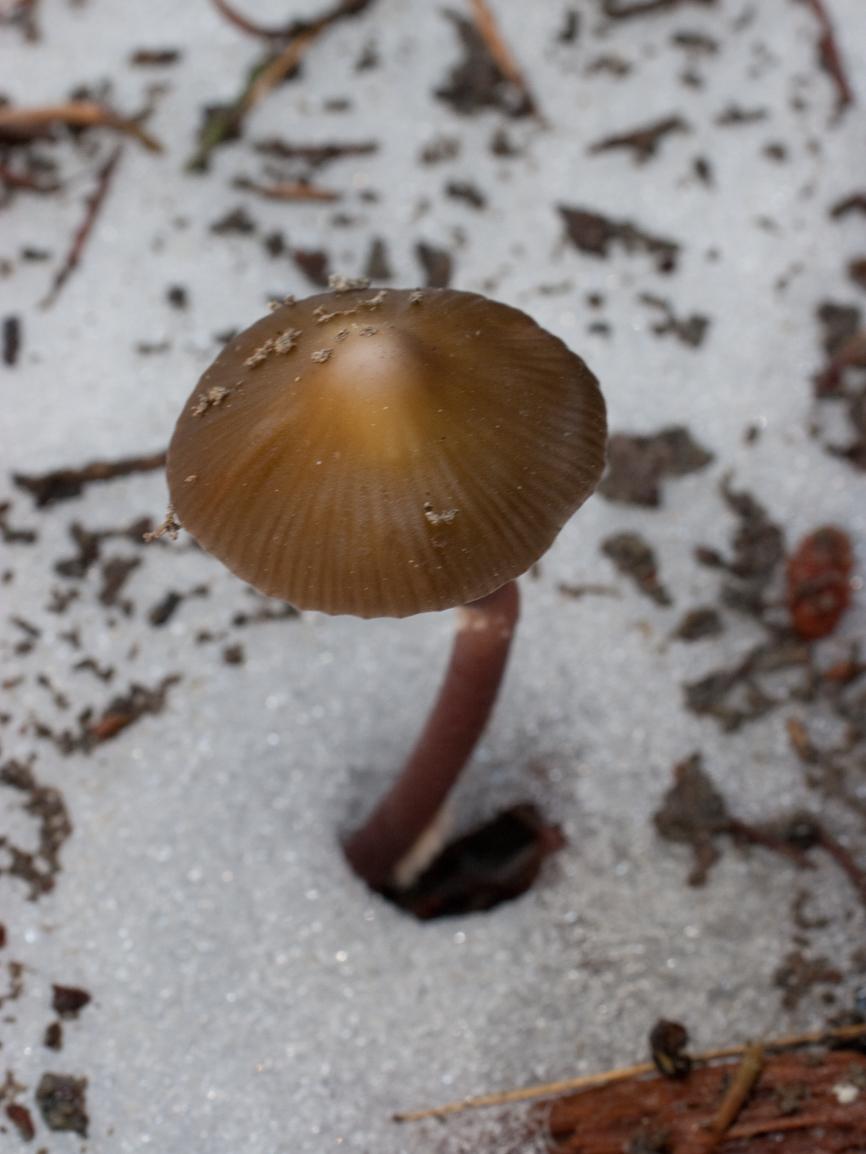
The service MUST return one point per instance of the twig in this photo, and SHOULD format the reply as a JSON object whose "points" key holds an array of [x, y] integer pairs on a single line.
{"points": [[792, 1042], [747, 1074], [246, 25], [227, 121], [94, 203], [62, 484], [828, 54], [287, 190], [21, 124], [500, 51], [844, 859]]}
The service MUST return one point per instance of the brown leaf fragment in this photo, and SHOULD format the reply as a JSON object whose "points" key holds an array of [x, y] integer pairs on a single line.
{"points": [[314, 264], [52, 1039], [478, 81], [634, 557], [61, 1098], [693, 812], [437, 264], [493, 864], [61, 484], [20, 1118], [643, 142], [637, 464], [699, 623], [115, 573], [798, 974], [69, 1000], [595, 234]]}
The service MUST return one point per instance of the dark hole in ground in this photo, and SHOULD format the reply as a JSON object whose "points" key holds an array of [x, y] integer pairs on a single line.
{"points": [[495, 863]]}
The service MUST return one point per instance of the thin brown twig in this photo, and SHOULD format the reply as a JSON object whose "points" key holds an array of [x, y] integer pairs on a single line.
{"points": [[246, 25], [288, 190], [793, 1041], [830, 57], [741, 1085], [25, 123], [94, 203], [499, 50]]}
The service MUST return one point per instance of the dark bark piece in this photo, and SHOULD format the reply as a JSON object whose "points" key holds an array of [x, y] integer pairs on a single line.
{"points": [[643, 142], [52, 1039], [162, 612], [315, 264], [595, 234], [693, 812], [636, 465], [62, 1100], [477, 82], [20, 1118], [699, 623], [11, 340], [495, 863], [437, 264], [69, 1000], [634, 557], [61, 484], [378, 267]]}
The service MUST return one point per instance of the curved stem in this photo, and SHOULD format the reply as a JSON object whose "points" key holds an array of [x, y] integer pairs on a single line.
{"points": [[484, 631]]}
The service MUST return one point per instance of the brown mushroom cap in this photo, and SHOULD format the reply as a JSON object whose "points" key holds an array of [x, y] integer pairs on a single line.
{"points": [[386, 454]]}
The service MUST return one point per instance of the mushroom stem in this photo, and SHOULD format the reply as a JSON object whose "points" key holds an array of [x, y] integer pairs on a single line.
{"points": [[484, 631]]}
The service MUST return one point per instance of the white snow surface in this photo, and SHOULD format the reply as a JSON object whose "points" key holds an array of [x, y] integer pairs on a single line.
{"points": [[250, 995]]}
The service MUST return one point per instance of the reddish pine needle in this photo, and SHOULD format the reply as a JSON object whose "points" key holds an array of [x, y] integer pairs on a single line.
{"points": [[830, 57]]}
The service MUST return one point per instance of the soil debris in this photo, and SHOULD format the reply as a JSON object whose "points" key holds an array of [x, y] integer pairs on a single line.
{"points": [[466, 191], [11, 340], [68, 1001], [115, 573], [37, 869], [478, 81], [595, 234], [798, 974], [495, 863], [62, 1100], [634, 557], [637, 464], [52, 1039], [163, 611], [237, 222], [315, 264], [691, 330], [734, 114], [120, 712], [694, 813], [12, 536], [62, 484], [154, 57], [642, 142], [378, 267], [437, 264], [627, 9], [856, 202]]}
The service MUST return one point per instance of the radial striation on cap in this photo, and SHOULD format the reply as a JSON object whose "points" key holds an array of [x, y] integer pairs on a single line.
{"points": [[388, 454]]}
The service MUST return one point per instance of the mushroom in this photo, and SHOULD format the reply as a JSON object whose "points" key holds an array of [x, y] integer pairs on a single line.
{"points": [[389, 454]]}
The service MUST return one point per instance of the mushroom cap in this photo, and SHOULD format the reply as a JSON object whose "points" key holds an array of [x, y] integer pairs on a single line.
{"points": [[387, 454]]}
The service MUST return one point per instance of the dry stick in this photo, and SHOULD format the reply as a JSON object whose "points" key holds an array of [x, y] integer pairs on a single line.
{"points": [[747, 1074], [844, 859], [484, 631], [25, 122], [500, 51], [94, 203], [288, 190], [831, 59], [602, 1079]]}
